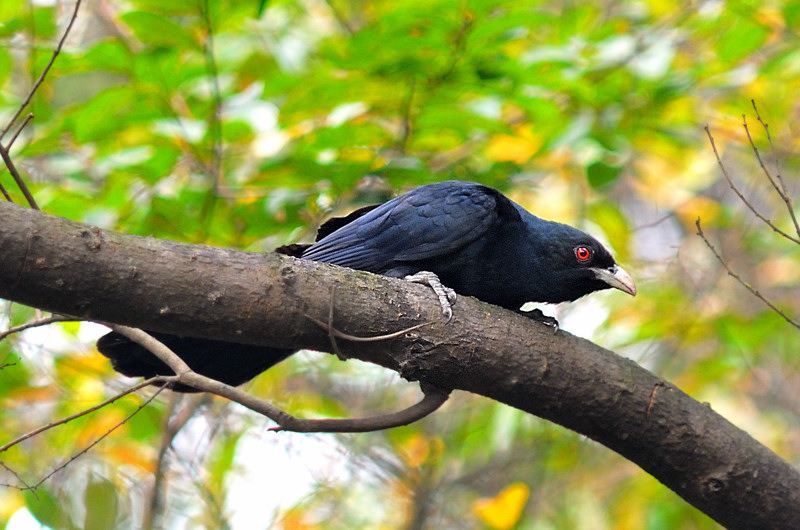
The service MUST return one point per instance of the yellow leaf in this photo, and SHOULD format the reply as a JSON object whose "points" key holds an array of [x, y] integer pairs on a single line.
{"points": [[705, 208], [132, 454], [518, 149], [552, 199], [416, 450], [355, 154], [296, 519], [670, 178], [778, 271], [10, 502], [505, 509]]}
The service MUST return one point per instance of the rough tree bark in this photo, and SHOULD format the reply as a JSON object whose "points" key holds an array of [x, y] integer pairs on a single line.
{"points": [[67, 267]]}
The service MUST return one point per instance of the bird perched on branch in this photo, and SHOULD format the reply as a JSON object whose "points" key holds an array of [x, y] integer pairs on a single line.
{"points": [[459, 237]]}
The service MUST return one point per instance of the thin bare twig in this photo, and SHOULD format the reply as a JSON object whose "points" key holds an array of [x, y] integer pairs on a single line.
{"points": [[77, 415], [333, 332], [5, 193], [741, 196], [174, 424], [24, 123], [741, 281], [17, 476], [35, 324], [98, 440], [758, 157], [432, 400], [406, 110], [215, 122], [25, 486], [348, 26], [49, 65], [154, 346], [783, 191], [17, 177], [4, 149], [7, 364]]}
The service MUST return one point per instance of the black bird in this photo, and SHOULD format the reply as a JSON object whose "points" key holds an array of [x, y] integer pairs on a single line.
{"points": [[474, 239]]}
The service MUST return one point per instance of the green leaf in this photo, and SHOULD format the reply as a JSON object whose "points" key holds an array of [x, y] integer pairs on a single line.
{"points": [[46, 508], [599, 174], [740, 38], [236, 131], [111, 56], [104, 113], [173, 7], [791, 14], [101, 502], [157, 30], [616, 227]]}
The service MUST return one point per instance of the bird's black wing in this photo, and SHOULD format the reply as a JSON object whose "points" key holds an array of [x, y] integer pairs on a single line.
{"points": [[429, 222]]}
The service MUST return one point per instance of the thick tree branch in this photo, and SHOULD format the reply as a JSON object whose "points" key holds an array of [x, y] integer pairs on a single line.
{"points": [[63, 266]]}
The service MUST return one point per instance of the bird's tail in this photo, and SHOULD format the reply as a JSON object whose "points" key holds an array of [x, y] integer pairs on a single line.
{"points": [[228, 362]]}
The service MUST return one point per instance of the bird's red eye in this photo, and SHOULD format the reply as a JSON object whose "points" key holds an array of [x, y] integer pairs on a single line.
{"points": [[583, 254]]}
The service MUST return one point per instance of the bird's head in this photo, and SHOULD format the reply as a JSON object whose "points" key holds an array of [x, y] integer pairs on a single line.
{"points": [[579, 265]]}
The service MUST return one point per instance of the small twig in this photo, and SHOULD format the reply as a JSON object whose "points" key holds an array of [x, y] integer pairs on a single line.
{"points": [[17, 177], [25, 485], [97, 441], [35, 324], [215, 121], [336, 333], [39, 81], [173, 425], [739, 279], [5, 193], [77, 415], [4, 149], [406, 110], [758, 157], [25, 122], [783, 191], [331, 329], [7, 365], [145, 340], [459, 46], [340, 18], [764, 124], [741, 196], [432, 399]]}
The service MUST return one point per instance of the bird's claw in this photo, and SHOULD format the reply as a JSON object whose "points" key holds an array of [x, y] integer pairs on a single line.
{"points": [[538, 316], [447, 297]]}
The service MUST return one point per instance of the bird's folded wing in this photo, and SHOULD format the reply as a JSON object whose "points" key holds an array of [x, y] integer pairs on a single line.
{"points": [[414, 227]]}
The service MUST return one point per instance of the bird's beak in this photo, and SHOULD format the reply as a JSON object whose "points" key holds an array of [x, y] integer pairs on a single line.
{"points": [[617, 278]]}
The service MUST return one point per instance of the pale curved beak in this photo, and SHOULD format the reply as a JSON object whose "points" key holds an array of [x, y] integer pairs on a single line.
{"points": [[617, 278]]}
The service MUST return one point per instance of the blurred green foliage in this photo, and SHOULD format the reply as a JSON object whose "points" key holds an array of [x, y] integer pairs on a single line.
{"points": [[245, 124]]}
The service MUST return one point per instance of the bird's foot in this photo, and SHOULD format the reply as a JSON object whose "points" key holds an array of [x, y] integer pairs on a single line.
{"points": [[447, 296], [538, 316]]}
